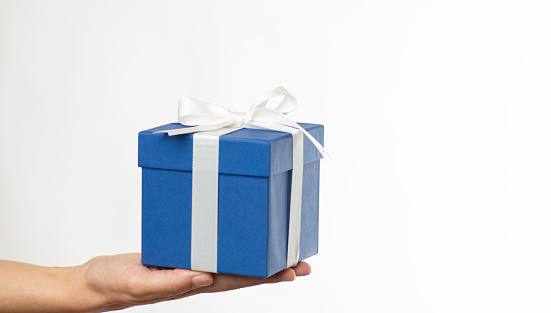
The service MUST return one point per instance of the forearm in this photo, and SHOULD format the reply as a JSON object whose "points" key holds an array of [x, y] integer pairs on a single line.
{"points": [[31, 288]]}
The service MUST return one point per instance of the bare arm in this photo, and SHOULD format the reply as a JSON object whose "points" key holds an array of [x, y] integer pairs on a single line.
{"points": [[114, 282]]}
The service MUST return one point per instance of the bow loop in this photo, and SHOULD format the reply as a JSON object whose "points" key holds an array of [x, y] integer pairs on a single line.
{"points": [[193, 112], [261, 114], [287, 104]]}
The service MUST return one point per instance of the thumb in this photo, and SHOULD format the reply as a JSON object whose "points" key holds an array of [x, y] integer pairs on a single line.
{"points": [[201, 280], [166, 283]]}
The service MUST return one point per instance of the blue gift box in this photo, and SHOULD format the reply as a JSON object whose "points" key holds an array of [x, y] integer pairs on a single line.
{"points": [[253, 199]]}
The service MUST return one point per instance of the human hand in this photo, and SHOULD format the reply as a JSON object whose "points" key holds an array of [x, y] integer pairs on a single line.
{"points": [[120, 281]]}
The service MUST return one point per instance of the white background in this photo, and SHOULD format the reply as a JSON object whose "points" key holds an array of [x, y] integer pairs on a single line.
{"points": [[437, 115]]}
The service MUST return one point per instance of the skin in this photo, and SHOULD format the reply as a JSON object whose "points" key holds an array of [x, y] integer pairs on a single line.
{"points": [[114, 282]]}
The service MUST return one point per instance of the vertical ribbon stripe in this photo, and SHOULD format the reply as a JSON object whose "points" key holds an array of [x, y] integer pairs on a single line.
{"points": [[204, 200], [204, 205], [295, 213]]}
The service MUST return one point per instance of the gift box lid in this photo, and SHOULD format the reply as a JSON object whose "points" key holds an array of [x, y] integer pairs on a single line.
{"points": [[249, 152]]}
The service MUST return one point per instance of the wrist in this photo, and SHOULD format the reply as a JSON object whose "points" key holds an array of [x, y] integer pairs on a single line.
{"points": [[80, 295]]}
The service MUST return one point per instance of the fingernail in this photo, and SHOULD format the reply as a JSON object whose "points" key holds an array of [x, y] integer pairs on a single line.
{"points": [[200, 281]]}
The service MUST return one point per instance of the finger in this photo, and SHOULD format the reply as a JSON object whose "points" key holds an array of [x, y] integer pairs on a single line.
{"points": [[224, 282], [302, 269]]}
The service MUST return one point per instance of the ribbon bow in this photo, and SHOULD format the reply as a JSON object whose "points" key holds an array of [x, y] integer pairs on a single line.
{"points": [[204, 116]]}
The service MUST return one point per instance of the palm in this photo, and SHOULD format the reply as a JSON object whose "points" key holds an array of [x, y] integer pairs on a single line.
{"points": [[123, 279]]}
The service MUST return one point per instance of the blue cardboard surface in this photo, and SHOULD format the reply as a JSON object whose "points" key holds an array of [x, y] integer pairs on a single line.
{"points": [[253, 204]]}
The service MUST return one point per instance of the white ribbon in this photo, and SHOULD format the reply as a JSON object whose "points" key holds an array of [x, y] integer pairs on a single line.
{"points": [[209, 121]]}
